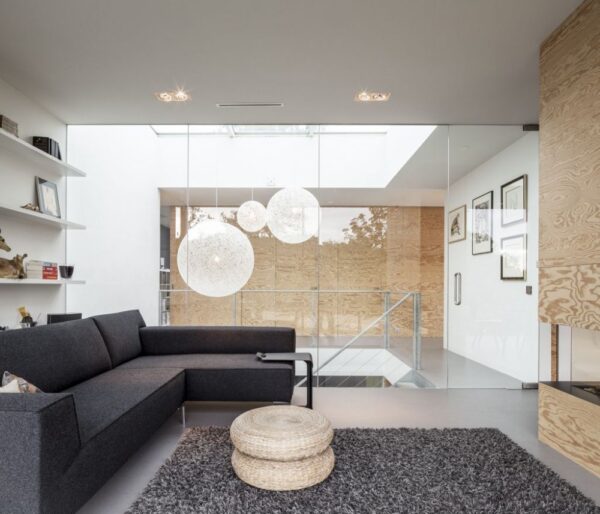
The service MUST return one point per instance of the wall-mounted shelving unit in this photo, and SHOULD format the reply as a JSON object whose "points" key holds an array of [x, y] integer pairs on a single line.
{"points": [[39, 218], [45, 163], [50, 164], [38, 282]]}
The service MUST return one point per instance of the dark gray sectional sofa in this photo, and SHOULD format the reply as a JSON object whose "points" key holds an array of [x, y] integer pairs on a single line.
{"points": [[109, 382]]}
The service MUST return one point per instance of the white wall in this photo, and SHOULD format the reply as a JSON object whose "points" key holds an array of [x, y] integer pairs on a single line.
{"points": [[118, 254], [17, 188], [496, 324]]}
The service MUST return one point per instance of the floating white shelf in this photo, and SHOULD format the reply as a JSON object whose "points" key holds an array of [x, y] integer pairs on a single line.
{"points": [[37, 217], [15, 145], [37, 282]]}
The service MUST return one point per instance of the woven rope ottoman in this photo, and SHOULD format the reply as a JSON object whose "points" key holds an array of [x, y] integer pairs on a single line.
{"points": [[282, 447]]}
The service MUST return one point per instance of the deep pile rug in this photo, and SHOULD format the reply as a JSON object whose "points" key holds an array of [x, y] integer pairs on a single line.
{"points": [[377, 471]]}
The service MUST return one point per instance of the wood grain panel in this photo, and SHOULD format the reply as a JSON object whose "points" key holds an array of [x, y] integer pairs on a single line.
{"points": [[432, 271], [571, 426], [570, 169], [296, 265], [263, 276], [570, 295]]}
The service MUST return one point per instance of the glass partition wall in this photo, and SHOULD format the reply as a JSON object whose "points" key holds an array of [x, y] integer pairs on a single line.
{"points": [[402, 255], [351, 256]]}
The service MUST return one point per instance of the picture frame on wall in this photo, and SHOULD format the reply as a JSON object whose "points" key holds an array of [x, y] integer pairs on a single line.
{"points": [[513, 197], [482, 234], [457, 224], [47, 195], [513, 258]]}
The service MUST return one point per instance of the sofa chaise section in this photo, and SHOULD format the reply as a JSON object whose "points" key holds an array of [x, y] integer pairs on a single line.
{"points": [[220, 362]]}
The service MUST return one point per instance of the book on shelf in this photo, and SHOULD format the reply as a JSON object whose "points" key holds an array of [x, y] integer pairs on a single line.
{"points": [[42, 274], [34, 263], [41, 270]]}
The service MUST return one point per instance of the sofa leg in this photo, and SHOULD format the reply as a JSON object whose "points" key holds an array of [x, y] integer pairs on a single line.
{"points": [[182, 409]]}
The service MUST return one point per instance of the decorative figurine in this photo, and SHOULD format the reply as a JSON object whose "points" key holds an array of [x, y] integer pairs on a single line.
{"points": [[26, 319], [13, 268], [3, 245], [30, 207]]}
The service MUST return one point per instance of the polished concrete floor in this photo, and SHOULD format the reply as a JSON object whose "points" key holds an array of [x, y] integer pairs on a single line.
{"points": [[514, 412]]}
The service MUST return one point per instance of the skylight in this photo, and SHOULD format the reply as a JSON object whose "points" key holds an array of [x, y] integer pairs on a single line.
{"points": [[273, 156]]}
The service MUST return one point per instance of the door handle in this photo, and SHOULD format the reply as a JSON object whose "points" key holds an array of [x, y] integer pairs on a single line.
{"points": [[457, 288]]}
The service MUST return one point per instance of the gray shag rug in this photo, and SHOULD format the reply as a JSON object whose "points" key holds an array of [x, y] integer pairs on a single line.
{"points": [[377, 471]]}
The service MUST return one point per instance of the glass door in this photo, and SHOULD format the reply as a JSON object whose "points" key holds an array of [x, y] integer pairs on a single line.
{"points": [[491, 235]]}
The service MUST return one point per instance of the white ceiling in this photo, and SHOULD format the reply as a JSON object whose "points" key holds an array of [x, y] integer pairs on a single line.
{"points": [[444, 61]]}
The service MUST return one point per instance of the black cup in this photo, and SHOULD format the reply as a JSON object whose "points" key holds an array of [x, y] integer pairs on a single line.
{"points": [[66, 271]]}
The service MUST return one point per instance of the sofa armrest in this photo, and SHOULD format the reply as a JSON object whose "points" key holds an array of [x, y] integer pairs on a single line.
{"points": [[178, 340], [40, 438]]}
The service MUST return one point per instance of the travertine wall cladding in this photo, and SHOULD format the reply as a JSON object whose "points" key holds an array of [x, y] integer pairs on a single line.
{"points": [[570, 171], [400, 248]]}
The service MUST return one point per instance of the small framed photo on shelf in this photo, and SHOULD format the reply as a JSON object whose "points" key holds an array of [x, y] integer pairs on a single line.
{"points": [[457, 224], [47, 195], [513, 258], [514, 201], [483, 223]]}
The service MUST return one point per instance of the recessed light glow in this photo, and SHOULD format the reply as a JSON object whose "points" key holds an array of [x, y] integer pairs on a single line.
{"points": [[178, 95], [371, 96]]}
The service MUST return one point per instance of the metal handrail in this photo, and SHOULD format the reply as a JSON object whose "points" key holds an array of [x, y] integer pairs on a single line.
{"points": [[361, 333]]}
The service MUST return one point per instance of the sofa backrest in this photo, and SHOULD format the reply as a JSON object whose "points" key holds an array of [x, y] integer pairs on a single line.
{"points": [[55, 357], [181, 339], [121, 333]]}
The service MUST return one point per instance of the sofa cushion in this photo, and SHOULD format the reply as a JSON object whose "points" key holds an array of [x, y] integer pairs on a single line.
{"points": [[54, 357], [226, 377], [114, 397], [121, 332]]}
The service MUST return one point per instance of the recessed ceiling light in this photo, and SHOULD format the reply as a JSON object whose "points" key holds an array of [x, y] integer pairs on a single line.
{"points": [[371, 96], [177, 95]]}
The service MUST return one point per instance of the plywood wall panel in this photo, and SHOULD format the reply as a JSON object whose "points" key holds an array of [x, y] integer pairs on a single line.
{"points": [[571, 426], [570, 294], [296, 265], [570, 171], [263, 276]]}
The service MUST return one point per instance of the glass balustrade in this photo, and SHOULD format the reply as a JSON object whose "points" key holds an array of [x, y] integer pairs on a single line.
{"points": [[385, 350]]}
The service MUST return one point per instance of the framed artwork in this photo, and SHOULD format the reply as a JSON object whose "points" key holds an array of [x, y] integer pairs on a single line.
{"points": [[513, 259], [514, 201], [457, 224], [47, 195], [483, 223]]}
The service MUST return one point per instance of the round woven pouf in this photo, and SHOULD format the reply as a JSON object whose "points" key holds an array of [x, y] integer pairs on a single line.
{"points": [[282, 448]]}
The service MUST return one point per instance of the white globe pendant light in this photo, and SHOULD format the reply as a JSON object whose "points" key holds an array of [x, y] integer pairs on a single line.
{"points": [[215, 259], [252, 216], [293, 215]]}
